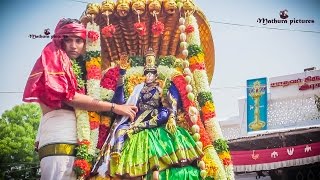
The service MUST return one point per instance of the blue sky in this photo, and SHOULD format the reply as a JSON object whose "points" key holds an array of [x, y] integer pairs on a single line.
{"points": [[241, 52]]}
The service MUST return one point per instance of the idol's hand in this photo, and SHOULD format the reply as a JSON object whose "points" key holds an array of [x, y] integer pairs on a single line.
{"points": [[126, 110]]}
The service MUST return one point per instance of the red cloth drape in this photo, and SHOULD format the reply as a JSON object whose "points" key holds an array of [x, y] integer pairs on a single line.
{"points": [[52, 80]]}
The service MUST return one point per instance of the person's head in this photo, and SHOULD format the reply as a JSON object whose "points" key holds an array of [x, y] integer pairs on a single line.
{"points": [[151, 76], [70, 35], [73, 46]]}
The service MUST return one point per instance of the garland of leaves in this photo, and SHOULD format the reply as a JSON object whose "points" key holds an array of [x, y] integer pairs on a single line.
{"points": [[77, 70]]}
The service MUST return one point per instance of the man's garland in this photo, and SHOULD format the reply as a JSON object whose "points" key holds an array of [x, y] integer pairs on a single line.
{"points": [[88, 123]]}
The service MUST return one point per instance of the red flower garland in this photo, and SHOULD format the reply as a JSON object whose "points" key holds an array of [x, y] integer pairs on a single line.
{"points": [[181, 83], [157, 28], [93, 35], [103, 133], [141, 28], [108, 30]]}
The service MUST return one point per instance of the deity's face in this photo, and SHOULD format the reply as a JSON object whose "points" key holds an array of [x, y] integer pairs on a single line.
{"points": [[150, 77]]}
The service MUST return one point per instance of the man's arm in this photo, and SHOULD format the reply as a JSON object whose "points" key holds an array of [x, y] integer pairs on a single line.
{"points": [[90, 104]]}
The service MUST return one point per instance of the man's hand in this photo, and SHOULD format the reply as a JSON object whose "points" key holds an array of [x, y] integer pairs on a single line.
{"points": [[126, 110]]}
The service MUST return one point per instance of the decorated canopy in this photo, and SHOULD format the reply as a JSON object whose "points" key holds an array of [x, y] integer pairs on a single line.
{"points": [[119, 34]]}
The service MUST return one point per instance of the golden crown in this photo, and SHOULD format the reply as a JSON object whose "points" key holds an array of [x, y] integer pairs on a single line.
{"points": [[150, 60]]}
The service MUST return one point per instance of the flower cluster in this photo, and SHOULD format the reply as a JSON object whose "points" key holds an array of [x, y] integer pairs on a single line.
{"points": [[108, 86], [108, 31], [189, 29], [82, 164], [133, 77], [93, 67], [91, 54], [140, 28], [222, 149], [157, 28], [166, 61], [93, 35], [94, 119], [136, 61], [131, 82], [82, 167], [193, 36], [110, 79]]}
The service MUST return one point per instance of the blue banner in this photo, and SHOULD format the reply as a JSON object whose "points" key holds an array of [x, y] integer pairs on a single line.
{"points": [[257, 104]]}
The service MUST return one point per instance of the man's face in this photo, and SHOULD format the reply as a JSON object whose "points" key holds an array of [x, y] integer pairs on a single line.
{"points": [[73, 46]]}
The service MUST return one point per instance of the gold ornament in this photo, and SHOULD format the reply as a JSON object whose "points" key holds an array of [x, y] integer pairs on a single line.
{"points": [[138, 6], [170, 6], [92, 10], [154, 7], [150, 63], [123, 7], [188, 6], [107, 7]]}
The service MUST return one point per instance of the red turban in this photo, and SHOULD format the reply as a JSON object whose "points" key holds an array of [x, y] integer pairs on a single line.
{"points": [[52, 80]]}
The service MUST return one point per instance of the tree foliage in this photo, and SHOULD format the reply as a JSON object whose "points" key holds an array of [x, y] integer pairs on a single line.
{"points": [[18, 128]]}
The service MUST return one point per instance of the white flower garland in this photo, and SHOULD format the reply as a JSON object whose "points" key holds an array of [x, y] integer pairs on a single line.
{"points": [[165, 71], [212, 125], [201, 81], [94, 135], [194, 37], [134, 71], [90, 45], [93, 88], [93, 85], [106, 94], [83, 126]]}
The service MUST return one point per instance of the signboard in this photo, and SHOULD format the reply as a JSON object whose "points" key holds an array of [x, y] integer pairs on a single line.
{"points": [[295, 85], [257, 104]]}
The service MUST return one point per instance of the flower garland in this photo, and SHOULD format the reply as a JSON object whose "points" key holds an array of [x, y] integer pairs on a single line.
{"points": [[197, 65], [81, 165], [88, 122], [187, 93], [93, 67]]}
